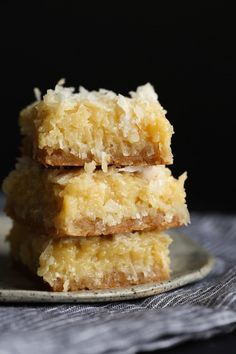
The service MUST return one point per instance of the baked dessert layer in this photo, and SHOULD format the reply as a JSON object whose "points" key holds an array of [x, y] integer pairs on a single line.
{"points": [[70, 129], [80, 202], [70, 264]]}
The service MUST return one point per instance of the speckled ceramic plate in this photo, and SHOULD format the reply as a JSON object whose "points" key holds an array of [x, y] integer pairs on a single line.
{"points": [[189, 263]]}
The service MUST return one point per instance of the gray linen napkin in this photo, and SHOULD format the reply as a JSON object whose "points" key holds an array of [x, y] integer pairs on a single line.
{"points": [[200, 310]]}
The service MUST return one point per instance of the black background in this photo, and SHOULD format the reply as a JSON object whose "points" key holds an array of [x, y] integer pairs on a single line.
{"points": [[185, 49]]}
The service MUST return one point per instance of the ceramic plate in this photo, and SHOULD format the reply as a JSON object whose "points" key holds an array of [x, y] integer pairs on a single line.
{"points": [[189, 262]]}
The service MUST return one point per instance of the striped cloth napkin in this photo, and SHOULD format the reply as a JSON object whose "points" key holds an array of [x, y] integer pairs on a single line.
{"points": [[201, 310]]}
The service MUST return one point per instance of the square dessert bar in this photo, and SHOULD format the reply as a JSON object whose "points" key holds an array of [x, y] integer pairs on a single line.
{"points": [[78, 202], [70, 129], [70, 264]]}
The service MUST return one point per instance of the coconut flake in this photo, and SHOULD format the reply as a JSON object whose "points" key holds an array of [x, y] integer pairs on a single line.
{"points": [[104, 162], [37, 94], [145, 92], [90, 167], [61, 82]]}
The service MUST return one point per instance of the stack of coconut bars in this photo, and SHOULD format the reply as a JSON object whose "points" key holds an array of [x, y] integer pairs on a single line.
{"points": [[91, 196]]}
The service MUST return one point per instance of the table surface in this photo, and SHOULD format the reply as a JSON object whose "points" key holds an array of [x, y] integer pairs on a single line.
{"points": [[216, 345]]}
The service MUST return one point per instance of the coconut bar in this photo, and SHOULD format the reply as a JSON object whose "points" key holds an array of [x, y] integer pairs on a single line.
{"points": [[70, 129], [78, 202], [70, 264]]}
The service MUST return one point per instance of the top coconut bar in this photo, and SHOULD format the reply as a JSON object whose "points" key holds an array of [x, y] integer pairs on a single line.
{"points": [[65, 128]]}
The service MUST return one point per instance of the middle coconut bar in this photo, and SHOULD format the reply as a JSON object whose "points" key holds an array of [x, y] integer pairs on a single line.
{"points": [[76, 202]]}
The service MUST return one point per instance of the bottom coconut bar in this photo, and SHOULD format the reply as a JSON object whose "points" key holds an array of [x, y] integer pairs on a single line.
{"points": [[70, 264]]}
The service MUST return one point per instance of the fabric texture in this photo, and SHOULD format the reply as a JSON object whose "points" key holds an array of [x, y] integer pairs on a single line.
{"points": [[199, 310]]}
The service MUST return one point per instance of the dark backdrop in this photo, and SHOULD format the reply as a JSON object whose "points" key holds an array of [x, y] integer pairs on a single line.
{"points": [[184, 49]]}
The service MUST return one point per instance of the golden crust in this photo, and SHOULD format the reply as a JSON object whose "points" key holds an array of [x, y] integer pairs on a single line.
{"points": [[49, 157], [146, 223], [89, 228], [114, 280]]}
